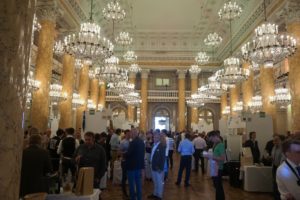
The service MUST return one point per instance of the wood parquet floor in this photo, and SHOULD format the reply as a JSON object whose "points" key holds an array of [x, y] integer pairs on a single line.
{"points": [[201, 189]]}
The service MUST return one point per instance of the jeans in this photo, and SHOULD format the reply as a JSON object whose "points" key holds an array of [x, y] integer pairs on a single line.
{"points": [[135, 184], [158, 181], [217, 180], [166, 168], [185, 163], [124, 176]]}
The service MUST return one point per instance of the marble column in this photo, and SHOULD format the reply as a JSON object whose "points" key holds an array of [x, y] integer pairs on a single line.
{"points": [[293, 28], [15, 35], [194, 88], [95, 91], [144, 98], [65, 107], [223, 103], [43, 69], [102, 94], [181, 100], [234, 98], [247, 87], [130, 108], [83, 90], [267, 84]]}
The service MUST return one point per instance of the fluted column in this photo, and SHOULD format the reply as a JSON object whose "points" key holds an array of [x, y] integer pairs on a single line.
{"points": [[194, 88], [130, 108], [83, 92], [65, 107], [223, 103], [293, 27], [234, 98], [95, 91], [43, 68], [181, 100], [102, 94], [267, 84], [15, 37], [144, 104], [247, 87]]}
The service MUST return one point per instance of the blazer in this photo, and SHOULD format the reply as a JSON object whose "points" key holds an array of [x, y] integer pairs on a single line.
{"points": [[135, 155], [159, 158]]}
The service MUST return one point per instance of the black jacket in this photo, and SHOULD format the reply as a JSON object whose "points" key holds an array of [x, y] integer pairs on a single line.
{"points": [[159, 158], [135, 155], [35, 165], [254, 150]]}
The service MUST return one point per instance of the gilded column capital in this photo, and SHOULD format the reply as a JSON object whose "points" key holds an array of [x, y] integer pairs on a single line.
{"points": [[145, 73], [194, 75], [47, 10], [181, 73], [291, 11]]}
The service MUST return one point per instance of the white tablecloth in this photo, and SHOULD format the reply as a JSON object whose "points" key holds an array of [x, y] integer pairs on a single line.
{"points": [[257, 178], [71, 196]]}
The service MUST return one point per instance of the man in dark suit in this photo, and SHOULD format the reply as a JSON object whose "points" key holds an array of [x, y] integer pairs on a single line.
{"points": [[36, 164], [158, 160], [252, 143], [135, 164]]}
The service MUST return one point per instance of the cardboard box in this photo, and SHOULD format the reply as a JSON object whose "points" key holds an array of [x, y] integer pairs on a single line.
{"points": [[85, 181]]}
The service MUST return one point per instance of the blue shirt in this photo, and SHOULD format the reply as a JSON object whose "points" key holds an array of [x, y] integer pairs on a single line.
{"points": [[186, 148]]}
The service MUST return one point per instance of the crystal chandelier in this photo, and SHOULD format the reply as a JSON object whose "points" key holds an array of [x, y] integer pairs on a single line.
{"points": [[32, 84], [92, 74], [56, 94], [230, 11], [124, 39], [134, 68], [123, 87], [100, 107], [232, 72], [36, 25], [194, 104], [113, 11], [282, 97], [213, 40], [132, 98], [255, 104], [204, 98], [28, 100], [226, 110], [195, 69], [78, 64], [111, 72], [77, 101], [130, 57], [90, 104], [238, 107], [267, 46], [87, 44], [213, 87], [201, 58], [254, 66]]}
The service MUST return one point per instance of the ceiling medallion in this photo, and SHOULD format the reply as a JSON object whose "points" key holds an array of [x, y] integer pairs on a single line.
{"points": [[213, 40], [282, 97], [202, 58], [268, 47]]}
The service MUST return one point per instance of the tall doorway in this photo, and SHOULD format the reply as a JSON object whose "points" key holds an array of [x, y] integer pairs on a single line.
{"points": [[162, 119]]}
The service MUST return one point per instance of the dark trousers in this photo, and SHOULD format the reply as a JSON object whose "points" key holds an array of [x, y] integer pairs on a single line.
{"points": [[66, 165], [185, 163], [170, 160], [217, 180], [197, 156], [124, 176], [276, 193]]}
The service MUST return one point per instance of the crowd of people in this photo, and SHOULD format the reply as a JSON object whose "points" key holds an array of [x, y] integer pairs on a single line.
{"points": [[148, 156]]}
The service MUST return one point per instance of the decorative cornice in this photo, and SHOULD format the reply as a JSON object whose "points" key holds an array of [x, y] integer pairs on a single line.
{"points": [[47, 10], [291, 11]]}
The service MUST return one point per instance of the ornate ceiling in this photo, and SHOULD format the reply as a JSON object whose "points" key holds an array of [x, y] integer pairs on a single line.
{"points": [[170, 30]]}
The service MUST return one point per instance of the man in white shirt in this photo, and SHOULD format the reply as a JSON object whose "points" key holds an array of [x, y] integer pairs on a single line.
{"points": [[114, 147], [199, 144], [288, 173]]}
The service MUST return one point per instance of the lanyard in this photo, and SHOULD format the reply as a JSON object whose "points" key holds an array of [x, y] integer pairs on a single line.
{"points": [[294, 171]]}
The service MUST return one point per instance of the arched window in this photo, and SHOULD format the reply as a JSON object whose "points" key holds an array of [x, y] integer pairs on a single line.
{"points": [[206, 115]]}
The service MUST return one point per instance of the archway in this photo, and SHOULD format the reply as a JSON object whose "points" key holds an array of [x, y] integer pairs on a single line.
{"points": [[162, 119]]}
